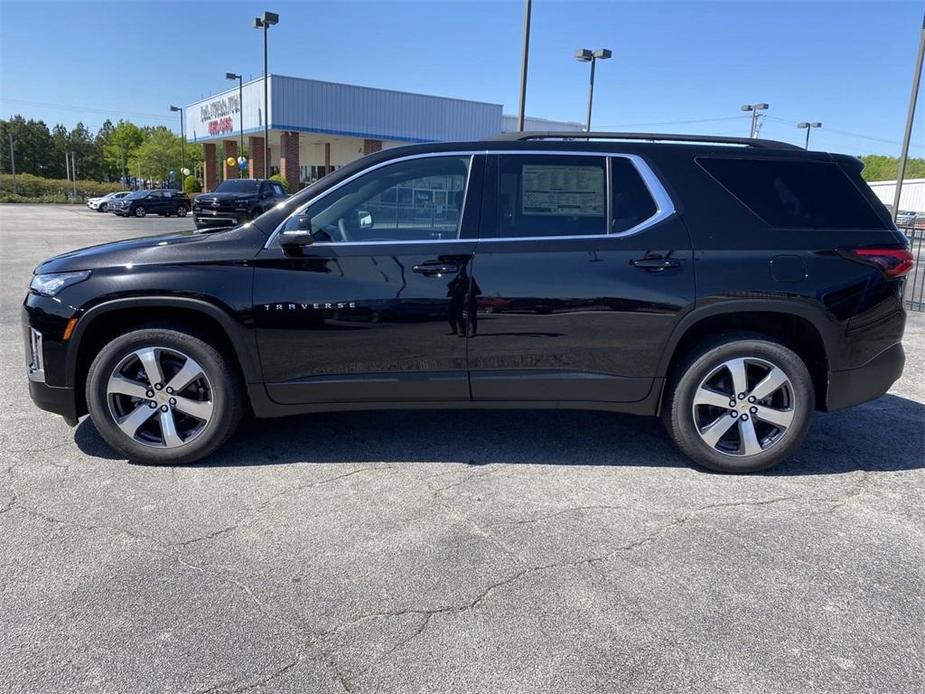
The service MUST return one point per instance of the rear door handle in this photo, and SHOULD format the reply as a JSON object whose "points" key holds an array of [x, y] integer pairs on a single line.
{"points": [[435, 269], [655, 263]]}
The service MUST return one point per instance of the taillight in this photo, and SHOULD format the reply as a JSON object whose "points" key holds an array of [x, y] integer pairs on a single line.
{"points": [[895, 262]]}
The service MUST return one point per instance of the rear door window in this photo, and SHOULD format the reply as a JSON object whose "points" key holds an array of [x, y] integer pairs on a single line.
{"points": [[795, 194], [631, 201], [552, 195]]}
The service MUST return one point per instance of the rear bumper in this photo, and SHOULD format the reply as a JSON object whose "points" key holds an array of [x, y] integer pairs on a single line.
{"points": [[854, 386]]}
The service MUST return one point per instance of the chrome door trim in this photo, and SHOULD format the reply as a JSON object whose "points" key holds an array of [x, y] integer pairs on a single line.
{"points": [[664, 206]]}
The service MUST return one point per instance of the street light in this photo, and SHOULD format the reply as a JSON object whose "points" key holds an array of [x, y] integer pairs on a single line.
{"points": [[240, 78], [754, 108], [177, 109], [809, 125], [523, 66], [265, 22], [584, 55]]}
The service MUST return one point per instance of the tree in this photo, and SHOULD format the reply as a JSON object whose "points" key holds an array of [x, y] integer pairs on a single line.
{"points": [[120, 146], [59, 148], [32, 144], [86, 156], [878, 167], [191, 185], [159, 154]]}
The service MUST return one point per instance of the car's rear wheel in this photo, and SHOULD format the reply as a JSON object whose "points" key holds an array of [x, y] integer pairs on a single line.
{"points": [[140, 211], [181, 210], [163, 396], [742, 403]]}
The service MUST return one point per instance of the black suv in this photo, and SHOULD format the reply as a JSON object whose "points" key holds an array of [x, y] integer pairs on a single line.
{"points": [[235, 201], [141, 203], [730, 286]]}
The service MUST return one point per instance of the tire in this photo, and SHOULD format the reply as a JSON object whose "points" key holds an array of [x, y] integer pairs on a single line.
{"points": [[199, 416], [140, 211], [101, 208], [181, 210], [699, 404]]}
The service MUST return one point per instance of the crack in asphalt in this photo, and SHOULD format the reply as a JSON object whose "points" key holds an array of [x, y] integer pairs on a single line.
{"points": [[429, 613], [175, 552], [537, 519], [251, 516], [313, 641]]}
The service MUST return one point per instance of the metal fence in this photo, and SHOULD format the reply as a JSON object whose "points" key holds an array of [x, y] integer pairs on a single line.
{"points": [[914, 291]]}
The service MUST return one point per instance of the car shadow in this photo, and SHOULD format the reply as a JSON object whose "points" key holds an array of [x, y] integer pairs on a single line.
{"points": [[887, 434]]}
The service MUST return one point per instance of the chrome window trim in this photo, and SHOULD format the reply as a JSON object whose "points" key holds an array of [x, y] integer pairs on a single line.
{"points": [[664, 207]]}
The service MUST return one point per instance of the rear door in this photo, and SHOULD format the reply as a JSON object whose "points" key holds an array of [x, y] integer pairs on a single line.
{"points": [[366, 313], [582, 270]]}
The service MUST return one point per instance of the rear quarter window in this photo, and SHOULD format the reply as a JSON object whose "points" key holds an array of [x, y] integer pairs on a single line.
{"points": [[795, 194]]}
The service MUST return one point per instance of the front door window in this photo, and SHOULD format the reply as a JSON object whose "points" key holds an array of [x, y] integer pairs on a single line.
{"points": [[414, 200]]}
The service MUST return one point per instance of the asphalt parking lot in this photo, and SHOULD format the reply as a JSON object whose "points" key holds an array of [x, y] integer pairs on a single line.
{"points": [[450, 551]]}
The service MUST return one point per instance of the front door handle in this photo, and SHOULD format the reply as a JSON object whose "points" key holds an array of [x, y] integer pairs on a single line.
{"points": [[435, 269], [655, 263]]}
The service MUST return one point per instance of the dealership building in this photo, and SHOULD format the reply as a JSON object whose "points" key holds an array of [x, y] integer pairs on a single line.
{"points": [[316, 127]]}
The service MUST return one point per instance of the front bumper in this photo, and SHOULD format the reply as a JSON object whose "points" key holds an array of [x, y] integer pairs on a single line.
{"points": [[54, 399], [867, 382], [57, 399]]}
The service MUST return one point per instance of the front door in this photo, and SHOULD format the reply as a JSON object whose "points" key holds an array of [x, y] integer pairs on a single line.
{"points": [[582, 270], [368, 311]]}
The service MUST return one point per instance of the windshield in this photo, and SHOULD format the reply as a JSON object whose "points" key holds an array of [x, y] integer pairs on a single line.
{"points": [[248, 187], [137, 194]]}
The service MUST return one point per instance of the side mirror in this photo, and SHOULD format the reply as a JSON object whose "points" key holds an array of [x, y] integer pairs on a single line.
{"points": [[364, 219], [294, 240]]}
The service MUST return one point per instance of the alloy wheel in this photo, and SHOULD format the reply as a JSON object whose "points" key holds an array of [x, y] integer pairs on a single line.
{"points": [[160, 397], [744, 406]]}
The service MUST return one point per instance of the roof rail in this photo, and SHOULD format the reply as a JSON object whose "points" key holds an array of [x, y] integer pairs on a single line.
{"points": [[653, 137]]}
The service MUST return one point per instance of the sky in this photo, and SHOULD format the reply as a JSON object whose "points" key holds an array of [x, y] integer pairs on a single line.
{"points": [[676, 66]]}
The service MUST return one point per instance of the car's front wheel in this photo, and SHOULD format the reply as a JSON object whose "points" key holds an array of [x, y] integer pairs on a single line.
{"points": [[181, 210], [742, 403], [140, 211], [163, 396], [102, 207]]}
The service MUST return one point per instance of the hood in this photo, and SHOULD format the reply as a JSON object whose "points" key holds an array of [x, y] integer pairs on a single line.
{"points": [[183, 247]]}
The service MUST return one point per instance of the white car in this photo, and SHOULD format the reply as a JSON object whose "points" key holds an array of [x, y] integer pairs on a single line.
{"points": [[102, 204]]}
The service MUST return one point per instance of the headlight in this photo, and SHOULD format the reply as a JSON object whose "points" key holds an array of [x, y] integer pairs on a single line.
{"points": [[52, 283]]}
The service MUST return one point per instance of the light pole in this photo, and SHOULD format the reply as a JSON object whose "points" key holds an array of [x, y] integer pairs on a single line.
{"points": [[523, 66], [13, 164], [910, 118], [809, 125], [240, 78], [177, 109], [265, 22], [584, 55], [754, 108]]}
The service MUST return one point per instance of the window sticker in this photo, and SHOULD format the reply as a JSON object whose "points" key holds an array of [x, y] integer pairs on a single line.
{"points": [[563, 191]]}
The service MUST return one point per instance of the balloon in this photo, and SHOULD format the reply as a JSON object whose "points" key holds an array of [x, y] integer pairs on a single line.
{"points": [[230, 161], [186, 172], [242, 161]]}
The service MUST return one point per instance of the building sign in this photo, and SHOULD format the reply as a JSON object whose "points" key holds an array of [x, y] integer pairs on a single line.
{"points": [[216, 115], [220, 125]]}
